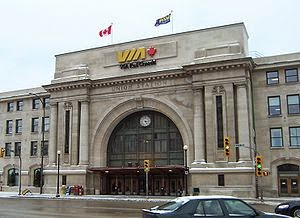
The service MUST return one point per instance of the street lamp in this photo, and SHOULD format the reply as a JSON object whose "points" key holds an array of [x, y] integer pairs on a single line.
{"points": [[58, 162], [185, 148], [43, 141]]}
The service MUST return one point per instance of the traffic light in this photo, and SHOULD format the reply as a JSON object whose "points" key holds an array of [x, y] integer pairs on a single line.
{"points": [[146, 165], [227, 146], [258, 165], [2, 152]]}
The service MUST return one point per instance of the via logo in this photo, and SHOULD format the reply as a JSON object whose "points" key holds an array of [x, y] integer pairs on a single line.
{"points": [[135, 54]]}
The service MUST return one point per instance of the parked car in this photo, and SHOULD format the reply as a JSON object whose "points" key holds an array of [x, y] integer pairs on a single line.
{"points": [[206, 206], [290, 208]]}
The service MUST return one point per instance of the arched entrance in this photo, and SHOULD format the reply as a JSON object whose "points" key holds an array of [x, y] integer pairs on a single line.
{"points": [[144, 135], [288, 180]]}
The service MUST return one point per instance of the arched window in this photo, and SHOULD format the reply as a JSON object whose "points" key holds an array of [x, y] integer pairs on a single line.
{"points": [[37, 177], [13, 177], [145, 135], [288, 169]]}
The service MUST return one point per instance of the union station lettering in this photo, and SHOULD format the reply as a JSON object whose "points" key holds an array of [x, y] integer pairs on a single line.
{"points": [[141, 85]]}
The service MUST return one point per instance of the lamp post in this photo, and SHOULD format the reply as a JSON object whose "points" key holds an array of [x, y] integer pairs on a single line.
{"points": [[58, 162], [185, 148], [43, 141]]}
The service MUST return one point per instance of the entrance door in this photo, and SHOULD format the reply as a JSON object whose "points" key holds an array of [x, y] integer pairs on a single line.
{"points": [[289, 186]]}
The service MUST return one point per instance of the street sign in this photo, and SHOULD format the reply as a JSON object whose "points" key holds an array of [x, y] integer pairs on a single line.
{"points": [[265, 173], [239, 145]]}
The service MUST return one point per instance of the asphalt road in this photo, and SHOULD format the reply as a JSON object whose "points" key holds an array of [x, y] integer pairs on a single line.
{"points": [[15, 207]]}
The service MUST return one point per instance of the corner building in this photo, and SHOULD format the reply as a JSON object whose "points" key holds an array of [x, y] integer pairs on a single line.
{"points": [[172, 100]]}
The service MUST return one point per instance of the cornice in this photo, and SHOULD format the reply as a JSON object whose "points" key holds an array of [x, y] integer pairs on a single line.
{"points": [[244, 63]]}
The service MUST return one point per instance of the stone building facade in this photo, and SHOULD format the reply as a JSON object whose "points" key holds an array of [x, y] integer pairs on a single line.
{"points": [[170, 100]]}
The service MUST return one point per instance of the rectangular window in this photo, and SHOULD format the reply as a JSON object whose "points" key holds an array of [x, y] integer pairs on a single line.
{"points": [[35, 103], [274, 105], [10, 106], [20, 105], [17, 149], [291, 75], [293, 104], [35, 124], [276, 137], [221, 180], [7, 149], [19, 126], [64, 180], [33, 148], [67, 131], [45, 148], [219, 113], [9, 126], [272, 77], [46, 124], [46, 102], [295, 136]]}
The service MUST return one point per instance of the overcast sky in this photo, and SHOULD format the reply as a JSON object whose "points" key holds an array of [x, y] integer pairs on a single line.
{"points": [[33, 31]]}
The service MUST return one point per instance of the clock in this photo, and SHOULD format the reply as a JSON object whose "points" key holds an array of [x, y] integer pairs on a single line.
{"points": [[145, 121]]}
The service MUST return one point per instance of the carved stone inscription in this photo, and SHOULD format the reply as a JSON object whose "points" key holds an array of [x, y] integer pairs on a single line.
{"points": [[141, 85]]}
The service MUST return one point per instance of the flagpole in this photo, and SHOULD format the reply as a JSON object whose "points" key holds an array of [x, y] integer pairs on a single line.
{"points": [[112, 32], [172, 20]]}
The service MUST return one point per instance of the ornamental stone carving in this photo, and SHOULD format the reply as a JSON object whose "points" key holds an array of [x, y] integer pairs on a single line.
{"points": [[218, 90]]}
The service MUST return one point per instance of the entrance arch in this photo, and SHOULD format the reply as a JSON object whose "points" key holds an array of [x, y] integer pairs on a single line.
{"points": [[144, 135]]}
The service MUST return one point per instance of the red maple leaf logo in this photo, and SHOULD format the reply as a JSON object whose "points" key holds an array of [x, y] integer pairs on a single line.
{"points": [[151, 51]]}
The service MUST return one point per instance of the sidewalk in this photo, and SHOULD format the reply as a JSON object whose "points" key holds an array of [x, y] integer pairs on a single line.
{"points": [[266, 200]]}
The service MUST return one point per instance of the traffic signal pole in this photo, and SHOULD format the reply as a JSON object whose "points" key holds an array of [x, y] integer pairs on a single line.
{"points": [[147, 183]]}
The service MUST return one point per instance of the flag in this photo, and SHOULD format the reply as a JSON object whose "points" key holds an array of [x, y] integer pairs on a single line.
{"points": [[105, 32], [163, 20]]}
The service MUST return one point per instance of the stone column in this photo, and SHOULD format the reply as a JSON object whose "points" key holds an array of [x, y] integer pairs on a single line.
{"points": [[84, 134], [243, 122], [53, 134], [199, 141]]}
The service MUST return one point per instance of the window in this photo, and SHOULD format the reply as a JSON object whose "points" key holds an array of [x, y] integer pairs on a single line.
{"points": [[294, 136], [10, 106], [237, 208], [272, 77], [7, 149], [46, 102], [9, 126], [64, 180], [33, 148], [221, 180], [19, 126], [276, 137], [45, 148], [67, 131], [35, 103], [274, 105], [35, 124], [219, 108], [37, 177], [46, 124], [17, 149], [291, 75], [20, 105], [293, 102], [209, 208], [13, 177]]}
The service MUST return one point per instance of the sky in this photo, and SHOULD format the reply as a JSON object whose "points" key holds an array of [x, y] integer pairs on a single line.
{"points": [[32, 32]]}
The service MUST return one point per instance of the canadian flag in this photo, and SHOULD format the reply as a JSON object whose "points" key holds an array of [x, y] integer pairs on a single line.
{"points": [[105, 32]]}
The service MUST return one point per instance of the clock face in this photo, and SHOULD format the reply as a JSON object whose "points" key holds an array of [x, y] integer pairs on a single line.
{"points": [[145, 121]]}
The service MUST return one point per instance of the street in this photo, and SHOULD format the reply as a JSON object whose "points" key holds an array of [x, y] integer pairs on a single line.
{"points": [[33, 207], [15, 207]]}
